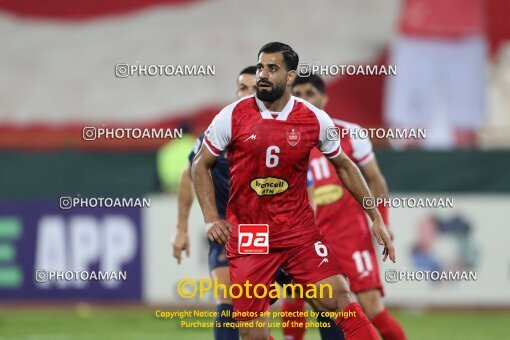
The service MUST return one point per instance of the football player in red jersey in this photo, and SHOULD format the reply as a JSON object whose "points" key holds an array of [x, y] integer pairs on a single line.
{"points": [[347, 232], [269, 138]]}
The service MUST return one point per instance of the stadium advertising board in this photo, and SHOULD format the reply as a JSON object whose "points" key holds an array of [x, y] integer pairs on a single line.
{"points": [[451, 257], [465, 242], [47, 253]]}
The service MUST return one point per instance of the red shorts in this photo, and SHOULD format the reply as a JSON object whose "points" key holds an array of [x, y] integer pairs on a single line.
{"points": [[303, 262], [350, 240]]}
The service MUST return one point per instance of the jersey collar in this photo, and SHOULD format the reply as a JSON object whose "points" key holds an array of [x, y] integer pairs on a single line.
{"points": [[283, 115]]}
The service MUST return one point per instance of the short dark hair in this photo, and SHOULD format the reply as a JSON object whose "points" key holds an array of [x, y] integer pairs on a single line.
{"points": [[313, 79], [289, 55], [249, 70]]}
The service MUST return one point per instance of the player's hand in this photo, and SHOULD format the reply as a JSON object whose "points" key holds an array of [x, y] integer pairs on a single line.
{"points": [[218, 231], [180, 243], [383, 237]]}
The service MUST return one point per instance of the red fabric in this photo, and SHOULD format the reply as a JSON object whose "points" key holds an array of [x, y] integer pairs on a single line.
{"points": [[301, 261], [350, 242], [498, 25], [324, 174], [83, 9], [49, 138], [440, 18], [287, 212], [358, 99], [294, 333], [389, 328], [354, 98], [356, 327], [211, 147], [343, 221]]}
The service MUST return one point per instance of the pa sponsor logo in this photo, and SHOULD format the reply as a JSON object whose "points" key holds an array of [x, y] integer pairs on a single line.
{"points": [[269, 186], [253, 239]]}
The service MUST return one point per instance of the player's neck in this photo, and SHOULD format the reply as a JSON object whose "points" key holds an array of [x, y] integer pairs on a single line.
{"points": [[279, 104]]}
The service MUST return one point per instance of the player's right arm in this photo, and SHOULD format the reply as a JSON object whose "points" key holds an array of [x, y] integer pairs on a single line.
{"points": [[218, 230], [180, 241], [353, 180], [185, 195], [216, 139]]}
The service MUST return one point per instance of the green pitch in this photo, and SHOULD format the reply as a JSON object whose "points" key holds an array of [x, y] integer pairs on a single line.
{"points": [[132, 323]]}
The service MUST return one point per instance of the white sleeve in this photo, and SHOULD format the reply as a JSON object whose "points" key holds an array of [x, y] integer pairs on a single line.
{"points": [[362, 151], [219, 133], [196, 147], [329, 138]]}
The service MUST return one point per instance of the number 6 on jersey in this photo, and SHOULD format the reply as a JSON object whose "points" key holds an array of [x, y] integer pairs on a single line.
{"points": [[272, 159]]}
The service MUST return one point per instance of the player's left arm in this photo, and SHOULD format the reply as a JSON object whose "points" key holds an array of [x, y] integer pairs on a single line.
{"points": [[351, 177]]}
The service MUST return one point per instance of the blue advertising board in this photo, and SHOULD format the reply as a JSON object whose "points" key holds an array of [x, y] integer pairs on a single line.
{"points": [[47, 253]]}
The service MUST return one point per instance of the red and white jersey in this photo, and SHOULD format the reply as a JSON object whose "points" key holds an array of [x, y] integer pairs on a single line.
{"points": [[268, 155], [331, 196]]}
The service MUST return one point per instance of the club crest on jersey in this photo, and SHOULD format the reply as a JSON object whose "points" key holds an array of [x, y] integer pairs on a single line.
{"points": [[293, 137]]}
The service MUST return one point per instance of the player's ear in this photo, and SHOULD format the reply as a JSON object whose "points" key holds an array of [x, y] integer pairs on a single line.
{"points": [[291, 76]]}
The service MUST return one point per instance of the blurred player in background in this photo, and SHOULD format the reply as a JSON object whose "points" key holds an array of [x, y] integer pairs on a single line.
{"points": [[246, 82], [343, 222], [218, 264], [269, 138]]}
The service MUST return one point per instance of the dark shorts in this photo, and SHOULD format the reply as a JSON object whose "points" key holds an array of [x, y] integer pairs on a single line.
{"points": [[217, 256]]}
